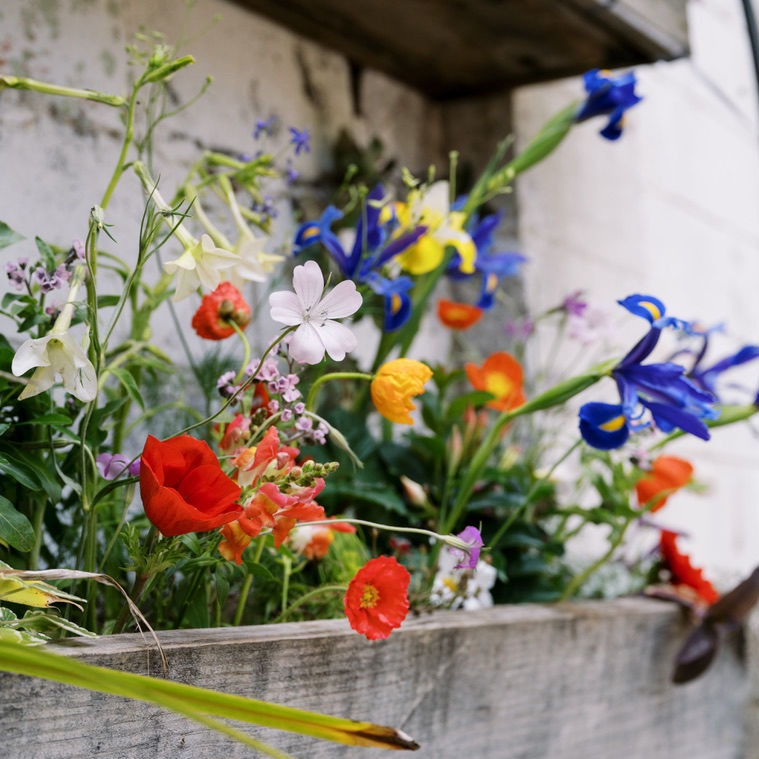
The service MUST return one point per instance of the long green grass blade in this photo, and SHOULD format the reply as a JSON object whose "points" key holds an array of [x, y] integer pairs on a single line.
{"points": [[199, 703]]}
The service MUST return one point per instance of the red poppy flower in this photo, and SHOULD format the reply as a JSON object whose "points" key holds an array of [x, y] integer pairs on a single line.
{"points": [[183, 488], [376, 601], [218, 309], [668, 473], [682, 571], [458, 316], [501, 375]]}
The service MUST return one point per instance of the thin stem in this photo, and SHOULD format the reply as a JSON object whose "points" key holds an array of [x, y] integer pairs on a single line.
{"points": [[308, 597], [319, 381], [246, 585], [128, 136], [516, 513], [245, 347]]}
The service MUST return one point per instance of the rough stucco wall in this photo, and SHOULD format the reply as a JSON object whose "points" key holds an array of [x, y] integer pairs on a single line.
{"points": [[58, 153], [671, 210]]}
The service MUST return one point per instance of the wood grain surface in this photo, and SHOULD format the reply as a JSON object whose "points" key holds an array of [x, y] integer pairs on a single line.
{"points": [[587, 681]]}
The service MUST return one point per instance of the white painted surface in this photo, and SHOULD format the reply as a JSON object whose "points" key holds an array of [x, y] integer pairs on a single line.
{"points": [[672, 209]]}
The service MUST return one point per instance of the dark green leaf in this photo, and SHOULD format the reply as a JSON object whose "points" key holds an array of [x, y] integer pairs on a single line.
{"points": [[18, 471], [15, 529]]}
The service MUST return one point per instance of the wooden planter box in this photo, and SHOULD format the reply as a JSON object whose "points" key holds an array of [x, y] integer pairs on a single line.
{"points": [[588, 680]]}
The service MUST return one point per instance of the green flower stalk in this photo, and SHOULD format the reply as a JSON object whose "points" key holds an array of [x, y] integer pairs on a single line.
{"points": [[555, 396]]}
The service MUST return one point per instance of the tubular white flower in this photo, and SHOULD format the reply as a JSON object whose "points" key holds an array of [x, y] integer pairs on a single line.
{"points": [[317, 331], [58, 354], [199, 266]]}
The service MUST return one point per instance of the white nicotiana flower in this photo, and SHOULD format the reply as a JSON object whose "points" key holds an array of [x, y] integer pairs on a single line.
{"points": [[314, 313], [199, 266], [253, 263], [58, 354]]}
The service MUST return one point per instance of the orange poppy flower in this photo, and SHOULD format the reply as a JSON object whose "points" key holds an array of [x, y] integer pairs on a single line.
{"points": [[502, 376], [459, 316], [682, 571], [376, 601], [668, 473], [218, 309]]}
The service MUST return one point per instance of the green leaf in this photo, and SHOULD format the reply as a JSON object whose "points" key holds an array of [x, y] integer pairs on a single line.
{"points": [[8, 236], [46, 253], [15, 529], [475, 399], [107, 301], [18, 471], [199, 703], [54, 420], [129, 384]]}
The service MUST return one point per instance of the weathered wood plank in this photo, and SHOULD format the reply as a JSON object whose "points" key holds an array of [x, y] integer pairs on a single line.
{"points": [[588, 680], [453, 49]]}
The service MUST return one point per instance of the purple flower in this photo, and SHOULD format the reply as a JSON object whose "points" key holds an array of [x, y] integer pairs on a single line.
{"points": [[226, 385], [78, 247], [574, 304], [468, 558], [264, 126], [113, 465], [300, 140]]}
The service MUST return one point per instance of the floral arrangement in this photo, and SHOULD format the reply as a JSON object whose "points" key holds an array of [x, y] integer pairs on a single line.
{"points": [[291, 481]]}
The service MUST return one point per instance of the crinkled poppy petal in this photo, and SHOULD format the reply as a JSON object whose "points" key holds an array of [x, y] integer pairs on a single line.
{"points": [[376, 601]]}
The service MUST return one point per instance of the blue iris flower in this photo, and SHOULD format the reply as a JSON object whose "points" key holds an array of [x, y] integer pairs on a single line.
{"points": [[608, 96], [707, 377], [658, 393], [492, 267], [372, 249]]}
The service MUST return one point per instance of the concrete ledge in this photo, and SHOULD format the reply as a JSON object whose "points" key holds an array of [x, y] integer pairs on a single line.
{"points": [[586, 680]]}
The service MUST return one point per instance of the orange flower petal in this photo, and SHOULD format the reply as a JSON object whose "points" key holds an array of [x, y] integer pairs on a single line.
{"points": [[395, 384], [501, 374], [459, 316], [668, 473]]}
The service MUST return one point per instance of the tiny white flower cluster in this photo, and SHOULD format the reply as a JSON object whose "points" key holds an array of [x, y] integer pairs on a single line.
{"points": [[462, 588]]}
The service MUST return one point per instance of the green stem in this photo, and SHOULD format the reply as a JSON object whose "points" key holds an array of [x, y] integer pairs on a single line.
{"points": [[24, 83], [246, 585], [580, 579], [307, 597], [319, 381], [516, 513], [128, 136], [245, 347], [555, 396]]}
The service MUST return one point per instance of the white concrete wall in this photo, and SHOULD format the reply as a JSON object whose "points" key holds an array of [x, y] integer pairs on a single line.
{"points": [[57, 154], [672, 209]]}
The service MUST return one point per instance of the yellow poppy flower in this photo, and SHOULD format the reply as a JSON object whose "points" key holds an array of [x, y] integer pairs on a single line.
{"points": [[395, 384]]}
